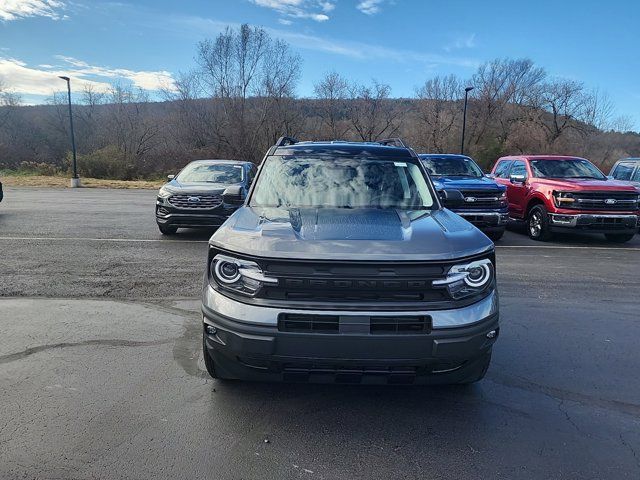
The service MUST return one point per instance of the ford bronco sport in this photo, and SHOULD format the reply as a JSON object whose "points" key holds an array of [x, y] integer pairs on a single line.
{"points": [[343, 266]]}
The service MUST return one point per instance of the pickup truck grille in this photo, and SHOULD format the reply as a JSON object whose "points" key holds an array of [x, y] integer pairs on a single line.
{"points": [[196, 201], [357, 283], [481, 199], [610, 201]]}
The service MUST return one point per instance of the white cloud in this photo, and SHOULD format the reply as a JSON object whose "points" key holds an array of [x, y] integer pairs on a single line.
{"points": [[18, 9], [304, 9], [468, 41], [43, 80], [369, 51], [146, 80], [25, 80], [369, 7], [198, 26]]}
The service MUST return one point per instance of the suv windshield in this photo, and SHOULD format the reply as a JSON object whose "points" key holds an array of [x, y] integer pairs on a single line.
{"points": [[341, 183], [572, 168], [451, 167], [211, 173]]}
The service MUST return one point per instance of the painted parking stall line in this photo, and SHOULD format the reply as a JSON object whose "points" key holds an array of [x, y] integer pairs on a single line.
{"points": [[115, 240]]}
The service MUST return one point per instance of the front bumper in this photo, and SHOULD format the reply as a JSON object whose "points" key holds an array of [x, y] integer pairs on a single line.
{"points": [[246, 342], [593, 222], [485, 220], [171, 216]]}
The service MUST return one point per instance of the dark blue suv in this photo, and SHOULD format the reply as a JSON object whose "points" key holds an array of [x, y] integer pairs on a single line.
{"points": [[485, 201]]}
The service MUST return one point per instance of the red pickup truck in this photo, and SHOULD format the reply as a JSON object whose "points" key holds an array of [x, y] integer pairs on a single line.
{"points": [[558, 193]]}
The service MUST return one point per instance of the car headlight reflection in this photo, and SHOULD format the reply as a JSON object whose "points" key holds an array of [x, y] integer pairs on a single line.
{"points": [[467, 279], [238, 275]]}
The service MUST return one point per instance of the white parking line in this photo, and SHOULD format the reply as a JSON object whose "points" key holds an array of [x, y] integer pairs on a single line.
{"points": [[577, 247], [159, 240], [119, 240]]}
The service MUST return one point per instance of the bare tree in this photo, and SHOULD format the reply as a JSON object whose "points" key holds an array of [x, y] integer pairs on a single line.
{"points": [[194, 126], [332, 92], [501, 85], [8, 101], [563, 105], [437, 111], [371, 112], [245, 71]]}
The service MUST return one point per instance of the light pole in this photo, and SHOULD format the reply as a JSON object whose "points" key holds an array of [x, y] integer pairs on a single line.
{"points": [[464, 117], [75, 180]]}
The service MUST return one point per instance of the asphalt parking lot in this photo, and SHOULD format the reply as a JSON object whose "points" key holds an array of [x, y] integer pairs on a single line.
{"points": [[102, 377]]}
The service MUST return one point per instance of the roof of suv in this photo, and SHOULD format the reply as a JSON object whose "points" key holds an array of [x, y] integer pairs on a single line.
{"points": [[442, 155], [343, 148], [212, 160], [540, 157]]}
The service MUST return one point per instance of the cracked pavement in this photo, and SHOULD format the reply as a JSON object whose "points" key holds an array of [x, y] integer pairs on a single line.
{"points": [[101, 374]]}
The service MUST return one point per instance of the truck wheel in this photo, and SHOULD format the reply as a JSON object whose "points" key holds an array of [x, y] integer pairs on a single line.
{"points": [[619, 237], [167, 229], [538, 224], [479, 371], [495, 235]]}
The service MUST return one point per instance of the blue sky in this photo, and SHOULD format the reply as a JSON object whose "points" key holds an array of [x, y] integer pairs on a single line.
{"points": [[399, 42]]}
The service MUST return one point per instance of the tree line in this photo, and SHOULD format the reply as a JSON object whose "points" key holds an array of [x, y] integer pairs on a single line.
{"points": [[241, 97]]}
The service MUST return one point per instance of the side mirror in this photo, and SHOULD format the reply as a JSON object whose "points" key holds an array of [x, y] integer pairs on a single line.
{"points": [[233, 195], [517, 178], [170, 177], [451, 198]]}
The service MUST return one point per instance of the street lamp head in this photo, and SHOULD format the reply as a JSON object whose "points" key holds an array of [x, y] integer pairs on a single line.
{"points": [[64, 78], [468, 89]]}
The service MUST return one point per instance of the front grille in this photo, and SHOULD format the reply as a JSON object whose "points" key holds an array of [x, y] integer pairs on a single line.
{"points": [[610, 201], [375, 325], [343, 283], [291, 322], [196, 201], [400, 325], [481, 199]]}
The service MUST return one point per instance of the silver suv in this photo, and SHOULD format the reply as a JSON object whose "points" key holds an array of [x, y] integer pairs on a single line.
{"points": [[343, 266]]}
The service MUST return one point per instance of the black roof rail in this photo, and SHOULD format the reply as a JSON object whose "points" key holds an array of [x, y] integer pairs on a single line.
{"points": [[284, 141], [393, 142]]}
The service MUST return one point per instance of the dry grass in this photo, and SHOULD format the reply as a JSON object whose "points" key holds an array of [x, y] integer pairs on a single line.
{"points": [[64, 182]]}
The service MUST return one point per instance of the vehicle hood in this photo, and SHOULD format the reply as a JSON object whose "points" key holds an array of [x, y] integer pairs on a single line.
{"points": [[466, 183], [194, 187], [359, 234], [585, 184]]}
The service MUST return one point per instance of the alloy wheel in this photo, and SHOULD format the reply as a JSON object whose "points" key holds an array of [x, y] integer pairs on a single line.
{"points": [[535, 224]]}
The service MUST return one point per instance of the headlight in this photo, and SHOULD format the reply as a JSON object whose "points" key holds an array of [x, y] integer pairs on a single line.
{"points": [[164, 193], [563, 199], [467, 279], [241, 276]]}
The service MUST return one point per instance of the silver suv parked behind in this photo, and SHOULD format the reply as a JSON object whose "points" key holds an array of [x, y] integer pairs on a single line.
{"points": [[343, 266]]}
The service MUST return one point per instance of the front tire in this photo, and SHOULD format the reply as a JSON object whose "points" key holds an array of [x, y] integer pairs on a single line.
{"points": [[167, 229], [619, 237], [538, 224]]}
